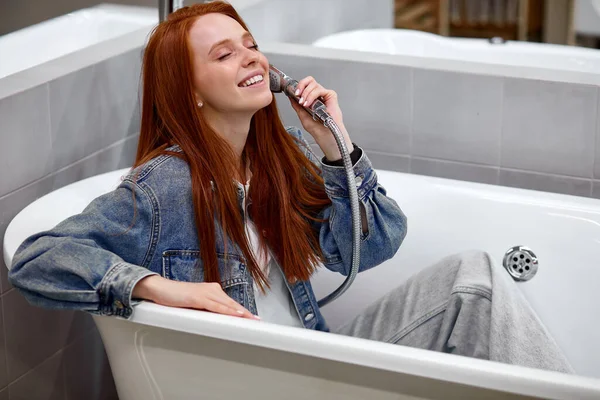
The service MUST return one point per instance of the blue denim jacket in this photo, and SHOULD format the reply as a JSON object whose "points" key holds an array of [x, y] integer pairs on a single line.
{"points": [[92, 260]]}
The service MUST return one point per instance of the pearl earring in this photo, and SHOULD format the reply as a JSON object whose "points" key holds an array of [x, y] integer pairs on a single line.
{"points": [[200, 104]]}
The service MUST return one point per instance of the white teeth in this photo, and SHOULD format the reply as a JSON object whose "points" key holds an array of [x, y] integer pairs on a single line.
{"points": [[254, 79]]}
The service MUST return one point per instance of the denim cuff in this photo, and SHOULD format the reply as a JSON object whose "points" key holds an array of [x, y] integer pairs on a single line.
{"points": [[336, 182], [117, 286]]}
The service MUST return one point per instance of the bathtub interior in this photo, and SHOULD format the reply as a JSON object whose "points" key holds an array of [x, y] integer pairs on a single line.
{"points": [[444, 217], [428, 45], [69, 33], [447, 217]]}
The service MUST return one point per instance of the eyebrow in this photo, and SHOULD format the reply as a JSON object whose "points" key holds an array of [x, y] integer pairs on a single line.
{"points": [[219, 43]]}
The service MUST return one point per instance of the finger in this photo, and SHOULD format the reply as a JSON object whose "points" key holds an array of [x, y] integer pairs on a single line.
{"points": [[227, 301], [216, 307], [314, 94], [303, 84], [307, 92]]}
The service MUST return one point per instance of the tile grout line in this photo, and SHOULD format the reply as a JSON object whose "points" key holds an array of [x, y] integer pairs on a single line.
{"points": [[498, 169], [94, 154], [383, 153], [63, 364], [34, 368], [546, 174], [501, 135], [47, 85], [489, 166], [68, 344], [411, 130], [470, 164], [5, 346], [596, 132]]}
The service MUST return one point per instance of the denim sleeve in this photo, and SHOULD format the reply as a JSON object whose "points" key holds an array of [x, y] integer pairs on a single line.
{"points": [[91, 261], [386, 223]]}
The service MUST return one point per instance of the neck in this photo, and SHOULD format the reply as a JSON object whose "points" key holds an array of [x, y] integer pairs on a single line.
{"points": [[234, 128]]}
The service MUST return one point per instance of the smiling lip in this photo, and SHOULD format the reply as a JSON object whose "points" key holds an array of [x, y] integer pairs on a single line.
{"points": [[253, 74]]}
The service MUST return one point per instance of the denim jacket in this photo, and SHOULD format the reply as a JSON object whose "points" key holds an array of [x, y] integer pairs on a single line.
{"points": [[91, 261]]}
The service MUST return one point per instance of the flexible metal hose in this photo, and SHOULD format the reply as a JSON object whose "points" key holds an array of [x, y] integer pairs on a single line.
{"points": [[354, 206], [280, 82]]}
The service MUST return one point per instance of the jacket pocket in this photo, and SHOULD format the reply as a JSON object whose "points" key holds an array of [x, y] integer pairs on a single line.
{"points": [[187, 266]]}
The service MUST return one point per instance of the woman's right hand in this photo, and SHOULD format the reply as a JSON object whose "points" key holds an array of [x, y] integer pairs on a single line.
{"points": [[201, 296]]}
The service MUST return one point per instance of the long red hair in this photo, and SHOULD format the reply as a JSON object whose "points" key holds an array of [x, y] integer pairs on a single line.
{"points": [[287, 191]]}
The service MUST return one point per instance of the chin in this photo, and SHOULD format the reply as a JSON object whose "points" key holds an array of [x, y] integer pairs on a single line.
{"points": [[263, 101]]}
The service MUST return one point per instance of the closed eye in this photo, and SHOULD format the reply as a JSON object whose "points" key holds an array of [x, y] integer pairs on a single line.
{"points": [[224, 56]]}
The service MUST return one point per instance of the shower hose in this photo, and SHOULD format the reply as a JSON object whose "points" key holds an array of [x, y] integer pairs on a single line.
{"points": [[354, 206]]}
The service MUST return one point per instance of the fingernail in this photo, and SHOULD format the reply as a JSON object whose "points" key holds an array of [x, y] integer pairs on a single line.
{"points": [[305, 103], [241, 312], [300, 101], [297, 92], [256, 317]]}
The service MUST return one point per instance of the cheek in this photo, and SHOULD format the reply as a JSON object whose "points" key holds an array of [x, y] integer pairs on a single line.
{"points": [[212, 82]]}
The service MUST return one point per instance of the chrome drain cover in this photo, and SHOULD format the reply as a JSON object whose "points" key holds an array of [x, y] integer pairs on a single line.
{"points": [[521, 263]]}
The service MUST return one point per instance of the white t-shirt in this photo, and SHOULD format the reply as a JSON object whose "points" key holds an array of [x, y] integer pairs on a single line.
{"points": [[276, 305]]}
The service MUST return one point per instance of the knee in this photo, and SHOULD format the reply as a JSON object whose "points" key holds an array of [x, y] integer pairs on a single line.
{"points": [[472, 258], [473, 269]]}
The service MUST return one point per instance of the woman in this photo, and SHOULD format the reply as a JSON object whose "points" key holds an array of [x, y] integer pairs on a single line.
{"points": [[227, 211]]}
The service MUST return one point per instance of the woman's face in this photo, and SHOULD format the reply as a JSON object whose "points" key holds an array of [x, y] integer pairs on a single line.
{"points": [[226, 61]]}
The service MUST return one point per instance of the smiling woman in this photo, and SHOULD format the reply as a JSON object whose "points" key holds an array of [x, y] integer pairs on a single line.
{"points": [[225, 209]]}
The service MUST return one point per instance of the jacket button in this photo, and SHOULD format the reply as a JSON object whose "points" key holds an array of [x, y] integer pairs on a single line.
{"points": [[309, 316], [118, 304], [358, 180]]}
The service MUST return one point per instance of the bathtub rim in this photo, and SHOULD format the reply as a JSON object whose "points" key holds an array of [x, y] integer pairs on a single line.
{"points": [[48, 71], [430, 63], [516, 45], [368, 353]]}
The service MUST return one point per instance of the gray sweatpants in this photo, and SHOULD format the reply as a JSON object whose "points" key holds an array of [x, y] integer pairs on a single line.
{"points": [[462, 305]]}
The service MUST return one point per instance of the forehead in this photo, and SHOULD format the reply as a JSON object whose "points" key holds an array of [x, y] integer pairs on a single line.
{"points": [[212, 28]]}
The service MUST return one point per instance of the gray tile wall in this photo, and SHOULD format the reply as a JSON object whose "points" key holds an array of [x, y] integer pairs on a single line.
{"points": [[78, 125], [524, 133]]}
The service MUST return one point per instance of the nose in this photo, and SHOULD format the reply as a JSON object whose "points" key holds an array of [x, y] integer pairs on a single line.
{"points": [[250, 57]]}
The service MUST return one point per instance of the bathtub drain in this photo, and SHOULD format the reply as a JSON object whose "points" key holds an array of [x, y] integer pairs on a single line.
{"points": [[521, 263]]}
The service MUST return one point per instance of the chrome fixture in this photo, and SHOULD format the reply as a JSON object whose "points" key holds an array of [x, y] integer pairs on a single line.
{"points": [[497, 40], [521, 263], [166, 7]]}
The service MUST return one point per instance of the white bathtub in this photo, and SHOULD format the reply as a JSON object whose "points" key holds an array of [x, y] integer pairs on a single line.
{"points": [[166, 353], [68, 33], [428, 45]]}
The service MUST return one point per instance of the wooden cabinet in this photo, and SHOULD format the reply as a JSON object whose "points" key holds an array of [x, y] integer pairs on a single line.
{"points": [[509, 19]]}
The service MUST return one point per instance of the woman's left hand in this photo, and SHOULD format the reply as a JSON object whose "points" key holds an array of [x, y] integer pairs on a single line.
{"points": [[310, 90]]}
